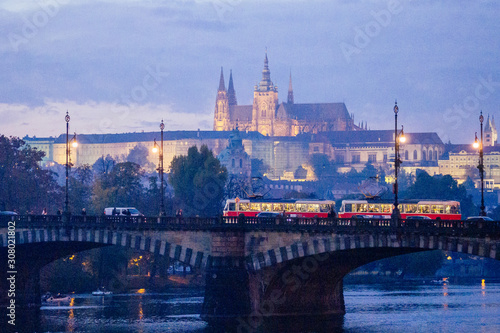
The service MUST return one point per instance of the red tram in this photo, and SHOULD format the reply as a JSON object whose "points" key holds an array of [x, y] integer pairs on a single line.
{"points": [[293, 208], [432, 209]]}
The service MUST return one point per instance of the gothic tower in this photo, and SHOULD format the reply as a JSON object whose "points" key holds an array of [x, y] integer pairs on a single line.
{"points": [[490, 132], [231, 94], [221, 114], [290, 91], [265, 102]]}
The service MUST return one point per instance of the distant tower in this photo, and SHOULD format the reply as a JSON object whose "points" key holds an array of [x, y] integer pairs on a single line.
{"points": [[221, 114], [231, 94], [265, 102], [490, 132], [290, 91]]}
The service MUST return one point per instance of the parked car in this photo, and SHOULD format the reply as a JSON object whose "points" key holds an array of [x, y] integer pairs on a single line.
{"points": [[268, 215], [7, 212], [122, 211], [479, 218], [418, 217]]}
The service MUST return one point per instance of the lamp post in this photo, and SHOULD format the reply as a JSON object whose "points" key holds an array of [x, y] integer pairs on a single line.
{"points": [[74, 143], [160, 168], [479, 145], [398, 137]]}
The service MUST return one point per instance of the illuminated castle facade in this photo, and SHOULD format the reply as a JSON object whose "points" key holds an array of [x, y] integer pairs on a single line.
{"points": [[270, 117]]}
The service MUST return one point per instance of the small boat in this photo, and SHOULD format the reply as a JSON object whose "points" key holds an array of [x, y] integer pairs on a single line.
{"points": [[58, 298], [102, 292]]}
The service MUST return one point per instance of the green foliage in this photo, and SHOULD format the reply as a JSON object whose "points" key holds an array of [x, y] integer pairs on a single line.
{"points": [[25, 187], [442, 188], [103, 165], [198, 180], [80, 188], [120, 187]]}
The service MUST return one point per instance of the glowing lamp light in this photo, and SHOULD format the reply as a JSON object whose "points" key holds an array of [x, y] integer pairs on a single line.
{"points": [[402, 139], [74, 144], [155, 149]]}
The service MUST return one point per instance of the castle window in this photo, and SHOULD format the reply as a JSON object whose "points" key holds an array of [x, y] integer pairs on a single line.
{"points": [[356, 158], [372, 158], [430, 155], [414, 154], [406, 154], [435, 155], [263, 113], [424, 158], [316, 149], [232, 163], [241, 163]]}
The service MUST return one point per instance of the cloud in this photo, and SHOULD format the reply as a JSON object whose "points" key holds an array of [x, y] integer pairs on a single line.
{"points": [[96, 55]]}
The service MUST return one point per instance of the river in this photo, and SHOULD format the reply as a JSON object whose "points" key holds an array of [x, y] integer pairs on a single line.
{"points": [[370, 308]]}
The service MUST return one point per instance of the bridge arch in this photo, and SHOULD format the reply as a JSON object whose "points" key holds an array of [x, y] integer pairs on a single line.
{"points": [[192, 249]]}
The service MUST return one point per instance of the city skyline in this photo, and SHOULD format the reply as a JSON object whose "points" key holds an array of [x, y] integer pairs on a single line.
{"points": [[122, 66]]}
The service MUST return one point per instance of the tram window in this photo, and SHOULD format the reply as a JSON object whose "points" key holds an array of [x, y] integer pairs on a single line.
{"points": [[447, 209], [255, 207], [313, 208], [290, 207], [301, 207], [411, 208], [232, 206], [348, 208], [385, 208], [266, 207], [425, 209], [437, 209], [373, 208], [277, 207], [244, 206], [361, 208], [324, 208]]}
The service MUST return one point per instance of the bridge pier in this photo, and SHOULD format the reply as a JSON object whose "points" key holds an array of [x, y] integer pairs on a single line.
{"points": [[227, 295]]}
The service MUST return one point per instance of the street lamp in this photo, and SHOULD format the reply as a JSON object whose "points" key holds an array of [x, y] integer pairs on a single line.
{"points": [[69, 143], [157, 148], [479, 145], [398, 138]]}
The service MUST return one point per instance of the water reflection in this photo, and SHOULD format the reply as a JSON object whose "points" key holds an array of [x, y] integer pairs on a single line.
{"points": [[371, 309]]}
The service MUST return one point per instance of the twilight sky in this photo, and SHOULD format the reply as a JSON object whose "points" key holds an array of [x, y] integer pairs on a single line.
{"points": [[122, 65]]}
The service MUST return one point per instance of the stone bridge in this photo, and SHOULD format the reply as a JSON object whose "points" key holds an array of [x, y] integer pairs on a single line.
{"points": [[255, 269]]}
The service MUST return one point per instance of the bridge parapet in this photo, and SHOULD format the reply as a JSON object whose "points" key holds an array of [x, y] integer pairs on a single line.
{"points": [[456, 228]]}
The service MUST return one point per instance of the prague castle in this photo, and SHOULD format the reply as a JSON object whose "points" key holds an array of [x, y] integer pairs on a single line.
{"points": [[270, 117]]}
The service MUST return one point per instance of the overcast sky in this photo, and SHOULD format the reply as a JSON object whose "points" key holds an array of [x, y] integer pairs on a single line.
{"points": [[121, 66]]}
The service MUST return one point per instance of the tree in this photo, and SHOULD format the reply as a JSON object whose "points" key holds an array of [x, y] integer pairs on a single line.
{"points": [[24, 185], [198, 180], [80, 188], [104, 164], [258, 167], [139, 155], [120, 187]]}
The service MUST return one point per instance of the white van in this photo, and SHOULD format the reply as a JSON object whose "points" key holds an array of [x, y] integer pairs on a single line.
{"points": [[121, 211]]}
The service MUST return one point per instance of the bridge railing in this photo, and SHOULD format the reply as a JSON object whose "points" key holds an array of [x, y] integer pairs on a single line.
{"points": [[451, 227]]}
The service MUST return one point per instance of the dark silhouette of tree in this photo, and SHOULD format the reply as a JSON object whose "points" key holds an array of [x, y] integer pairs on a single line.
{"points": [[25, 186], [198, 180], [121, 187], [258, 167], [138, 155], [80, 189], [300, 173], [104, 164]]}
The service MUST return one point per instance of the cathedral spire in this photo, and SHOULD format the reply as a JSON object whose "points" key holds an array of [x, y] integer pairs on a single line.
{"points": [[265, 83], [222, 86], [230, 90], [290, 91]]}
